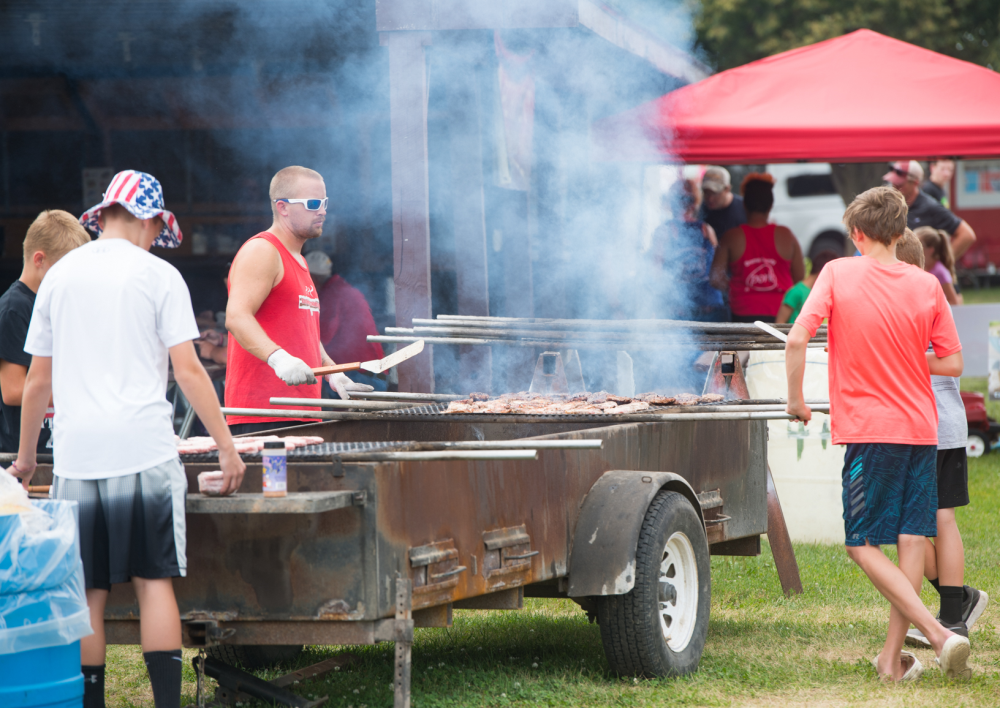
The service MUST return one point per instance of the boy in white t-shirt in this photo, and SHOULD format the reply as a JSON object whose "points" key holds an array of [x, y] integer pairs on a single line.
{"points": [[105, 320]]}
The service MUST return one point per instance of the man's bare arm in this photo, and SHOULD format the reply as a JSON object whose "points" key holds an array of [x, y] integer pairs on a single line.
{"points": [[12, 377], [795, 369], [962, 239], [324, 357], [34, 402], [718, 277], [256, 270], [197, 387], [951, 365]]}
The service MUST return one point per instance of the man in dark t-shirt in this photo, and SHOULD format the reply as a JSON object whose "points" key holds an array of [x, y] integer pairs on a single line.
{"points": [[906, 176], [52, 235], [15, 313], [722, 209]]}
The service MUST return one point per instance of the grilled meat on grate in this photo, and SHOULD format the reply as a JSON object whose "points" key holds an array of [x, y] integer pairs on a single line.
{"points": [[599, 403]]}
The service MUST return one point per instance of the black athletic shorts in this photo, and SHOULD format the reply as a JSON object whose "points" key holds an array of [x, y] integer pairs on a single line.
{"points": [[131, 526], [952, 478]]}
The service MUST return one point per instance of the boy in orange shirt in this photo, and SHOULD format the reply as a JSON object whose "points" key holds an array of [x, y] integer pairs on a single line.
{"points": [[881, 316]]}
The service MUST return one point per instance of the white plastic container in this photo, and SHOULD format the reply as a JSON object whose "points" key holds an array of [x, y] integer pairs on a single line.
{"points": [[805, 466]]}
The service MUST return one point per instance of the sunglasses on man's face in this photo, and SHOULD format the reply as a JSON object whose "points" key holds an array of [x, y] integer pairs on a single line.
{"points": [[309, 204], [902, 173]]}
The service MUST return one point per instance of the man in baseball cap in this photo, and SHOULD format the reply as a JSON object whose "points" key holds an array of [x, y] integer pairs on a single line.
{"points": [[722, 210], [106, 318], [924, 210]]}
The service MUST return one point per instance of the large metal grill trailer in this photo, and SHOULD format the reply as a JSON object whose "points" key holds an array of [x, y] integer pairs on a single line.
{"points": [[625, 530], [616, 512]]}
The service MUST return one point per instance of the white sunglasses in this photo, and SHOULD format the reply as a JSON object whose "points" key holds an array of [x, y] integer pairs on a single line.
{"points": [[310, 204]]}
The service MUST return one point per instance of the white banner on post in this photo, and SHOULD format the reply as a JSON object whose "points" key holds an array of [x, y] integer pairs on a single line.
{"points": [[994, 362]]}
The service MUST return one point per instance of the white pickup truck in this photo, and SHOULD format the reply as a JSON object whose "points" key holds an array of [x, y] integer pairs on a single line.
{"points": [[806, 201]]}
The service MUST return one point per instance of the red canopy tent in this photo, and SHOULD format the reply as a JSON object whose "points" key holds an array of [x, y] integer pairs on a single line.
{"points": [[862, 97]]}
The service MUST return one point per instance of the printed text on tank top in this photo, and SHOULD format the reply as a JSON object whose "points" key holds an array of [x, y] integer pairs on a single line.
{"points": [[759, 275], [309, 301]]}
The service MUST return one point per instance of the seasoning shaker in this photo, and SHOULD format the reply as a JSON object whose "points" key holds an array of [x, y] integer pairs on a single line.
{"points": [[275, 458]]}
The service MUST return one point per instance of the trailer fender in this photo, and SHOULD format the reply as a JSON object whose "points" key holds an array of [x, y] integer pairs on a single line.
{"points": [[602, 558]]}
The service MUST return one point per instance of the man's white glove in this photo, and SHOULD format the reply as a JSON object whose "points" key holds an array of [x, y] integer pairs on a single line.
{"points": [[292, 370], [342, 384]]}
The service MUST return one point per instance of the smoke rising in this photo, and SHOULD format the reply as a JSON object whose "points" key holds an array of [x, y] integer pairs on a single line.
{"points": [[215, 96]]}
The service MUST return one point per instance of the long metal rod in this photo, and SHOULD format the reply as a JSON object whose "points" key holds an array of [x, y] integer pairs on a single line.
{"points": [[638, 326], [572, 344], [680, 336], [635, 327], [285, 413], [397, 396], [593, 444], [340, 403], [608, 419], [431, 455]]}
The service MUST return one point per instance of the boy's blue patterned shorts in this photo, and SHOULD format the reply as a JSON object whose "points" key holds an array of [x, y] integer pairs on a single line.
{"points": [[889, 490]]}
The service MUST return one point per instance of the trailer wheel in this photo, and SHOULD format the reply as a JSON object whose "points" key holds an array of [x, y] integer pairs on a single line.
{"points": [[658, 628], [255, 656], [978, 444]]}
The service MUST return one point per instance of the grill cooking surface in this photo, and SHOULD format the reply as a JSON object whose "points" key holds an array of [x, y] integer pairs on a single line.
{"points": [[438, 409]]}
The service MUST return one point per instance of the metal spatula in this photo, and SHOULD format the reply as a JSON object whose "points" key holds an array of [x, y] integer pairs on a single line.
{"points": [[375, 366]]}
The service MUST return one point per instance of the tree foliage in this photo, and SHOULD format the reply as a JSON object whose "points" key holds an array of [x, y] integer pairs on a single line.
{"points": [[730, 33]]}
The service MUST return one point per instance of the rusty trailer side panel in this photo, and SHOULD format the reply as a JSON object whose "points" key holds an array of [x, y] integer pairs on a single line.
{"points": [[458, 529]]}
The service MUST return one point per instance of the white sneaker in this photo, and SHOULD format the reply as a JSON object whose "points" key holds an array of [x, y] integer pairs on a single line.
{"points": [[954, 658], [915, 670]]}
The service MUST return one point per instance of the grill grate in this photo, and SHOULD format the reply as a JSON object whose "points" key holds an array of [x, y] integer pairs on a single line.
{"points": [[309, 453], [438, 409]]}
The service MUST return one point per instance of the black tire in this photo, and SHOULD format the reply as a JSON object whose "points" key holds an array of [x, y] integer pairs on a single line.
{"points": [[827, 241], [255, 656], [631, 629]]}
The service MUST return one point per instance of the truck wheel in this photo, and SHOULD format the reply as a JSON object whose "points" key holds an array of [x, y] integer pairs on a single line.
{"points": [[978, 444], [255, 656], [658, 628]]}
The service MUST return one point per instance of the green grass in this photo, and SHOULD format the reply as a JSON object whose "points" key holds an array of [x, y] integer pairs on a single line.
{"points": [[972, 296], [763, 649]]}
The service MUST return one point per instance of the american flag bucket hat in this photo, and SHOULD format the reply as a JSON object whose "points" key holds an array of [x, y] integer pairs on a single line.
{"points": [[142, 195]]}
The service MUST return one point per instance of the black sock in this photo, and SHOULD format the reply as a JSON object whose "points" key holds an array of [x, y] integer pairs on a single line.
{"points": [[936, 585], [164, 669], [951, 603], [93, 686]]}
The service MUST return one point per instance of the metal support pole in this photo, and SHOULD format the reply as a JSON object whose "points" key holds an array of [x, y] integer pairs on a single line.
{"points": [[781, 543], [404, 642], [408, 90]]}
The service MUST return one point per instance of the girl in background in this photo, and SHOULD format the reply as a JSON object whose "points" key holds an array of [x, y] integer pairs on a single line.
{"points": [[939, 260]]}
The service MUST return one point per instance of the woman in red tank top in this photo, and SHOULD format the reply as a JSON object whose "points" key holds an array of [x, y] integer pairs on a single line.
{"points": [[763, 260]]}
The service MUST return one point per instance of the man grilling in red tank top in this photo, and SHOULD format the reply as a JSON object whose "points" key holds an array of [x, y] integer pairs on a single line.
{"points": [[273, 310], [763, 260]]}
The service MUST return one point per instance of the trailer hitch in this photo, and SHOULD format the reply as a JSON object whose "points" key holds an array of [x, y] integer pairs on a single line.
{"points": [[205, 633]]}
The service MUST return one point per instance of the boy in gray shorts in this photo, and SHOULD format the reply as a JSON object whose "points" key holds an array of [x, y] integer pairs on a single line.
{"points": [[106, 319], [944, 560]]}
